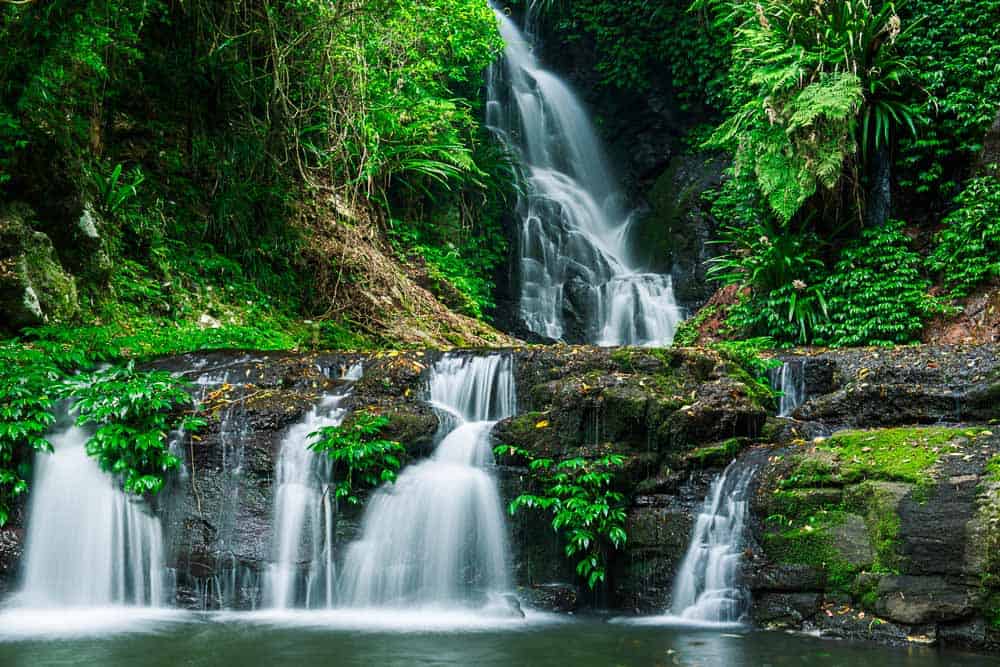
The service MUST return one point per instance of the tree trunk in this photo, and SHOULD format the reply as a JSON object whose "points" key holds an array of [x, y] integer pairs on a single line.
{"points": [[880, 193]]}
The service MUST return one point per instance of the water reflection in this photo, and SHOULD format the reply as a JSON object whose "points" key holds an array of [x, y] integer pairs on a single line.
{"points": [[234, 639]]}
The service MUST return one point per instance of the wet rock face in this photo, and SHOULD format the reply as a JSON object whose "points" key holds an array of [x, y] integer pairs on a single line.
{"points": [[989, 158], [654, 408], [217, 513], [674, 229], [923, 385], [11, 540]]}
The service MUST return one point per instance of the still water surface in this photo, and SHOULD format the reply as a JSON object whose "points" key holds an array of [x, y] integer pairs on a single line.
{"points": [[119, 639]]}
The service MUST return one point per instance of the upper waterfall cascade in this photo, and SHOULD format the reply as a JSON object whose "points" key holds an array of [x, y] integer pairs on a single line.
{"points": [[575, 229], [437, 536]]}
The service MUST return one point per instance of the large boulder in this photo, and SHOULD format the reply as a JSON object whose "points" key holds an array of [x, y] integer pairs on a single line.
{"points": [[894, 529], [922, 385]]}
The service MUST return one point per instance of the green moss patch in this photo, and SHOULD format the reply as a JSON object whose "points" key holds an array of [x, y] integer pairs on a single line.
{"points": [[718, 454], [993, 469], [894, 454], [811, 541]]}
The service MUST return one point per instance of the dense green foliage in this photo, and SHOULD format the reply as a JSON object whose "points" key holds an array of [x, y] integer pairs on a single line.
{"points": [[218, 149], [956, 56], [815, 84], [197, 129], [967, 250], [831, 101], [877, 293], [133, 413], [361, 459], [636, 43], [586, 511]]}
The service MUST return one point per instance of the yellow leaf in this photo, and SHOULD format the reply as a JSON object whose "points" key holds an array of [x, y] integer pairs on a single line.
{"points": [[542, 424]]}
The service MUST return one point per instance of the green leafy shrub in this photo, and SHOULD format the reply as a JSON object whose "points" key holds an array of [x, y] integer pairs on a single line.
{"points": [[361, 459], [116, 191], [689, 330], [967, 250], [877, 294], [752, 368], [133, 413], [638, 42], [586, 511], [957, 62], [783, 270]]}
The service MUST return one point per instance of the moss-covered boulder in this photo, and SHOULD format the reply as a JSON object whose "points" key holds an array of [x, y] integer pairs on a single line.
{"points": [[897, 522], [665, 401], [34, 288]]}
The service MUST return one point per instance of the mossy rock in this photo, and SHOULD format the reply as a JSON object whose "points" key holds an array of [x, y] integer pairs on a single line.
{"points": [[716, 455], [34, 287], [815, 544], [794, 503], [892, 454], [411, 425]]}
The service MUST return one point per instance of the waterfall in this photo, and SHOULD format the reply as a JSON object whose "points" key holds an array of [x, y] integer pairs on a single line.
{"points": [[790, 380], [88, 544], [231, 583], [707, 586], [437, 536], [304, 512], [574, 227]]}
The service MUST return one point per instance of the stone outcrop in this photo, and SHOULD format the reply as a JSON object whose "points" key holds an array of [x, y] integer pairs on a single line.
{"points": [[34, 288], [888, 531]]}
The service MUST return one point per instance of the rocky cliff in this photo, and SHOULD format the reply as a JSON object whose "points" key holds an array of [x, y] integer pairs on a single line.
{"points": [[876, 508]]}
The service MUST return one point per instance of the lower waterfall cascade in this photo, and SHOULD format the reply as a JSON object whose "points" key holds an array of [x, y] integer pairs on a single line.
{"points": [[89, 545], [304, 512], [707, 587], [437, 536]]}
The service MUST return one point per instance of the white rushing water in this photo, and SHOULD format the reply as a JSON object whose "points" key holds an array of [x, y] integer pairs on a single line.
{"points": [[790, 380], [574, 227], [437, 537], [88, 544], [707, 587], [303, 572]]}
